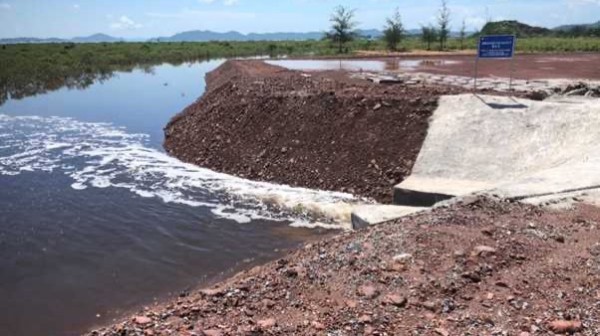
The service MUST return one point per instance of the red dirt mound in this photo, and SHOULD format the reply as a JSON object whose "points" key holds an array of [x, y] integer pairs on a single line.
{"points": [[318, 130], [477, 268]]}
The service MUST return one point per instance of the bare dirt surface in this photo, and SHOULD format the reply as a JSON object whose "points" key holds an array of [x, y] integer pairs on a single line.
{"points": [[583, 66], [320, 130], [528, 66], [480, 267]]}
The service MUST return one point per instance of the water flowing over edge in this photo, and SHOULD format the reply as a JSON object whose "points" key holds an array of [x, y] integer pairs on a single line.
{"points": [[101, 155]]}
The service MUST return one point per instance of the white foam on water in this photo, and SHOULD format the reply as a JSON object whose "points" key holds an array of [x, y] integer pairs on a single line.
{"points": [[100, 155]]}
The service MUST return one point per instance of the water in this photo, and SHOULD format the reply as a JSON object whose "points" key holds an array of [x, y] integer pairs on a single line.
{"points": [[391, 64], [96, 220]]}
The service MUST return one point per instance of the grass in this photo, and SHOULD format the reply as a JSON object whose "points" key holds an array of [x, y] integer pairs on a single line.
{"points": [[29, 69]]}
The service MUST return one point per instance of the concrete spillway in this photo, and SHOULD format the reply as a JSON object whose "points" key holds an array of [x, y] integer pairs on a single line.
{"points": [[517, 149]]}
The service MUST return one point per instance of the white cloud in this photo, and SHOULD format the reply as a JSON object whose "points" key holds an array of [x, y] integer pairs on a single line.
{"points": [[5, 6], [225, 2], [76, 6], [125, 23], [203, 15]]}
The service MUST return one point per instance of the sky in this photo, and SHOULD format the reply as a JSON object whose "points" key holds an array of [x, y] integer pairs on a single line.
{"points": [[154, 18]]}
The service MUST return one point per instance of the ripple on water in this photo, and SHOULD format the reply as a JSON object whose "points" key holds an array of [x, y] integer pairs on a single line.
{"points": [[101, 155]]}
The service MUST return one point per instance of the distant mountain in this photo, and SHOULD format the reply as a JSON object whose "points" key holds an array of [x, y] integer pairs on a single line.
{"points": [[18, 40], [577, 26], [514, 27], [96, 38], [207, 35]]}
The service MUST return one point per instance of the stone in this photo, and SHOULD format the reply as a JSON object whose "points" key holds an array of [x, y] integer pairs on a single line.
{"points": [[318, 325], [403, 258], [142, 320], [564, 327], [212, 332], [368, 292], [267, 323], [484, 250], [396, 300]]}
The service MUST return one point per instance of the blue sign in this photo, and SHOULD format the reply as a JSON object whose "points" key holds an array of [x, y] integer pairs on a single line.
{"points": [[497, 46]]}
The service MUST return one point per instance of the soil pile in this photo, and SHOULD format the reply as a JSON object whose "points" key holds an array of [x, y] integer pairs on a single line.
{"points": [[480, 267], [319, 130]]}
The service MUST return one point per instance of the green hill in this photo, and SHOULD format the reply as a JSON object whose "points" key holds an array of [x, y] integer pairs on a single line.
{"points": [[514, 27]]}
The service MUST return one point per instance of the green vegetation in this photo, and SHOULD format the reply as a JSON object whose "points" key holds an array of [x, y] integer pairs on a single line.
{"points": [[523, 30], [29, 69], [443, 20], [393, 31], [342, 27], [429, 35]]}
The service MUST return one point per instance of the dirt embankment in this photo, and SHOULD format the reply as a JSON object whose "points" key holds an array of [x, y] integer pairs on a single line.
{"points": [[318, 130], [477, 268]]}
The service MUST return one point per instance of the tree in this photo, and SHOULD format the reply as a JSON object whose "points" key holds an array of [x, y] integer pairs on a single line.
{"points": [[443, 24], [463, 34], [429, 35], [342, 27], [393, 32]]}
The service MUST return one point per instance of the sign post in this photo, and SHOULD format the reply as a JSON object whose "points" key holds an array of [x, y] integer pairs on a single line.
{"points": [[495, 47]]}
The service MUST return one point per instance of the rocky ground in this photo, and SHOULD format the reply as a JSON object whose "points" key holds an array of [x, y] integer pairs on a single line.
{"points": [[479, 267], [320, 130]]}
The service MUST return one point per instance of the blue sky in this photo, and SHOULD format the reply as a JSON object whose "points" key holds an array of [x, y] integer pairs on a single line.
{"points": [[151, 18]]}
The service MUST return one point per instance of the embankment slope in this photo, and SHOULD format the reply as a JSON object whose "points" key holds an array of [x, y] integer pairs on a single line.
{"points": [[317, 130]]}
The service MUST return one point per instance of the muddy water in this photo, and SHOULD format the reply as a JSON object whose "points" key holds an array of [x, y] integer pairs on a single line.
{"points": [[95, 219], [361, 65]]}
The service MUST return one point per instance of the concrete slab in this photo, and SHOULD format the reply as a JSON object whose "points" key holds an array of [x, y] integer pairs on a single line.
{"points": [[514, 148], [366, 215]]}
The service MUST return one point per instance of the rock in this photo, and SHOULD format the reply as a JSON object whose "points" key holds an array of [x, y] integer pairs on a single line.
{"points": [[368, 292], [442, 332], [318, 325], [364, 319], [429, 305], [351, 304], [563, 326], [212, 332], [142, 320], [267, 323], [212, 292], [403, 258], [396, 300], [524, 333], [376, 107], [483, 250]]}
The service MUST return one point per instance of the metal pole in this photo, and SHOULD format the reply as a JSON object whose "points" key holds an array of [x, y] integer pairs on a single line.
{"points": [[476, 66], [512, 70], [476, 72]]}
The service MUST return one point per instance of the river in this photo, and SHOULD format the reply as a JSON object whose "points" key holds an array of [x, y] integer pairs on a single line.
{"points": [[96, 220]]}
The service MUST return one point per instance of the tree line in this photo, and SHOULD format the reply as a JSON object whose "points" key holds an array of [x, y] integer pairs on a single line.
{"points": [[343, 29]]}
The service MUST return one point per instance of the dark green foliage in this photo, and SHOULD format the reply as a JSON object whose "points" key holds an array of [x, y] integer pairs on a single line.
{"points": [[429, 35], [443, 19], [342, 27], [393, 31]]}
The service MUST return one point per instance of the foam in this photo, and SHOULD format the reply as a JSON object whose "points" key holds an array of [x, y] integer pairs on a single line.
{"points": [[100, 155]]}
